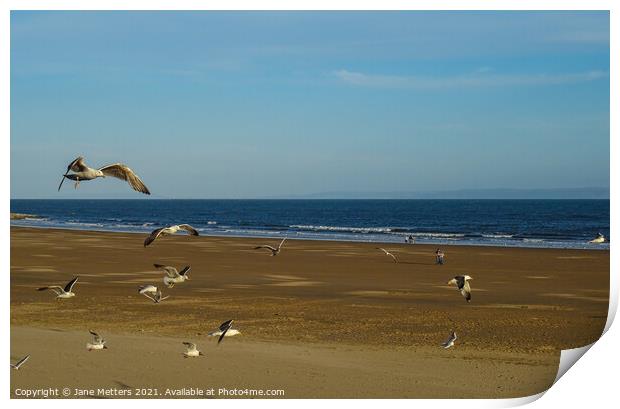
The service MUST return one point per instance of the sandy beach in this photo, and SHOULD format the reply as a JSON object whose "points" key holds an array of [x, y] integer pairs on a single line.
{"points": [[320, 320]]}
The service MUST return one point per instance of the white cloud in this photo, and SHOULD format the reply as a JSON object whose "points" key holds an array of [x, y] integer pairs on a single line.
{"points": [[480, 79]]}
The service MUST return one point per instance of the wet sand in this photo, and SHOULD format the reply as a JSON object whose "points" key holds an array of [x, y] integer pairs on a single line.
{"points": [[322, 319]]}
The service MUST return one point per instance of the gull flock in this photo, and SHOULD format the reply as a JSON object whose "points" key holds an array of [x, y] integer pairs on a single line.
{"points": [[78, 171]]}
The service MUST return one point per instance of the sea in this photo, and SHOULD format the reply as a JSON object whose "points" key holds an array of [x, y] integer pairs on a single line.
{"points": [[510, 223]]}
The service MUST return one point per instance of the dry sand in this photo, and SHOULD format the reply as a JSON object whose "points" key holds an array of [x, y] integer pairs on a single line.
{"points": [[322, 319]]}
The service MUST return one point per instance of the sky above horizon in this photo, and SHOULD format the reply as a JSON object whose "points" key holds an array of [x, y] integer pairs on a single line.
{"points": [[261, 104]]}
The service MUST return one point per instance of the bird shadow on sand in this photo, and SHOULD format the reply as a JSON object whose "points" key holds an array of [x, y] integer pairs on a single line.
{"points": [[123, 385]]}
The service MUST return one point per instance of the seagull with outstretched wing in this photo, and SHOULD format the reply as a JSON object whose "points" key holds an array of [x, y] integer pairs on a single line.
{"points": [[173, 276], [274, 250], [82, 172], [387, 253], [165, 231], [66, 292], [152, 293], [225, 330], [19, 363]]}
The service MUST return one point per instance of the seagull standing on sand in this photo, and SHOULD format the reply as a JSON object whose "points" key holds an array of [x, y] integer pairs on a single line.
{"points": [[165, 231], [274, 251], [173, 276], [19, 363], [98, 342], [191, 351], [462, 283], [61, 292], [450, 341], [225, 330], [599, 239], [387, 253], [117, 170]]}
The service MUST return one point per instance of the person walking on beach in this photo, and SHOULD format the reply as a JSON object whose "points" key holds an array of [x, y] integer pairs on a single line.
{"points": [[410, 239], [439, 255]]}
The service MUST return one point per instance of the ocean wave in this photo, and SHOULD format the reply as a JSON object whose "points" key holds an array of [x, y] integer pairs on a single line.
{"points": [[439, 235], [498, 236], [84, 224], [342, 228]]}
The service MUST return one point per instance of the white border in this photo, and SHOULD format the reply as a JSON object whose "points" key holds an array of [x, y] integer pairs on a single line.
{"points": [[592, 382]]}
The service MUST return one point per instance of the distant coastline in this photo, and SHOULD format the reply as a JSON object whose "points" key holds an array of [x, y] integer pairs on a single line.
{"points": [[585, 193]]}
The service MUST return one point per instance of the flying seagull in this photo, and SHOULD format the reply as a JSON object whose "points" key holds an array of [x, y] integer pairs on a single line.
{"points": [[164, 231], [61, 292], [274, 251], [225, 330], [173, 276], [387, 253], [152, 293], [462, 283], [81, 172], [19, 363], [156, 297], [191, 351], [599, 239], [450, 341], [98, 342]]}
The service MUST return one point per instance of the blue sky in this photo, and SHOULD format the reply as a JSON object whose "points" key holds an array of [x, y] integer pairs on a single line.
{"points": [[256, 104]]}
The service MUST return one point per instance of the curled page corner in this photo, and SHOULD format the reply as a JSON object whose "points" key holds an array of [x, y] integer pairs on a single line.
{"points": [[525, 400], [568, 357]]}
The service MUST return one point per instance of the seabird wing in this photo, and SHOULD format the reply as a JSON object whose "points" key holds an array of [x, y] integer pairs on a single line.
{"points": [[96, 337], [149, 297], [151, 238], [147, 289], [222, 336], [77, 166], [190, 345], [265, 247], [189, 229], [21, 362], [224, 327], [450, 340], [281, 243], [70, 285], [185, 270], [55, 288], [123, 172], [170, 271]]}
